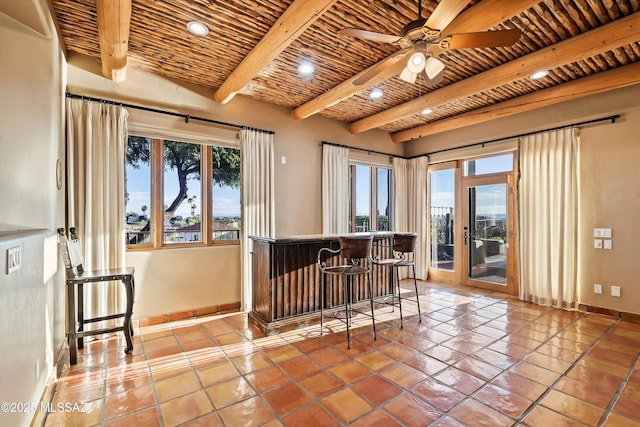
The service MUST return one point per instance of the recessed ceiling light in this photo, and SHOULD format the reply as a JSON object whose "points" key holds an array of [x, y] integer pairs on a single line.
{"points": [[306, 68], [539, 75], [197, 28], [426, 111], [376, 93]]}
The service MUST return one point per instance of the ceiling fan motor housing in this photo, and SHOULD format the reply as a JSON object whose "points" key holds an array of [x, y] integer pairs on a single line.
{"points": [[414, 31]]}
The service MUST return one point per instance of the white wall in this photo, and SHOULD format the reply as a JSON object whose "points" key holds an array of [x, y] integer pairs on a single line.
{"points": [[176, 280], [31, 141]]}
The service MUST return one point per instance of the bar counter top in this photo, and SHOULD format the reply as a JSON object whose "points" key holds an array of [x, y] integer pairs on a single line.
{"points": [[303, 238]]}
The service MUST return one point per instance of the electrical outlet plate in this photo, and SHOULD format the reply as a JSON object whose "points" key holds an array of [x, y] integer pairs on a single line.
{"points": [[597, 243], [615, 291], [607, 243], [597, 288]]}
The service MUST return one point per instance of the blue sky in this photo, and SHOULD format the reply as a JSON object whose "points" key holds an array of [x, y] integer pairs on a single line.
{"points": [[490, 199], [363, 191]]}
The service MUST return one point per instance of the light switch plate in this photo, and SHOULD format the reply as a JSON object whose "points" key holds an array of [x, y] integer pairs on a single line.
{"points": [[615, 291], [597, 288], [607, 243], [597, 243], [14, 259], [602, 232]]}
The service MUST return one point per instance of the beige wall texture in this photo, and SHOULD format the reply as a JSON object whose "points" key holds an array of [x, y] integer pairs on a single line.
{"points": [[610, 198], [609, 184], [31, 141]]}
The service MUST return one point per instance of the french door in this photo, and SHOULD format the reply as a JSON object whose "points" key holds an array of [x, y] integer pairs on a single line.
{"points": [[473, 237], [488, 233]]}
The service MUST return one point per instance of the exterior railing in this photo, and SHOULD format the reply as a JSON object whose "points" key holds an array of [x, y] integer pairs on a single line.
{"points": [[173, 236]]}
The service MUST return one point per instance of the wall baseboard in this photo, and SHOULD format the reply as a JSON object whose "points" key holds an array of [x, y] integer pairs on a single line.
{"points": [[623, 315], [198, 312]]}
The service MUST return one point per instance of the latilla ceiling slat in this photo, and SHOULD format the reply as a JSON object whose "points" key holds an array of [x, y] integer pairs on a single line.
{"points": [[160, 44]]}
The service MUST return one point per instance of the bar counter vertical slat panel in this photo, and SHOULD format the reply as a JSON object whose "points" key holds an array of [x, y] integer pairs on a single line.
{"points": [[287, 281]]}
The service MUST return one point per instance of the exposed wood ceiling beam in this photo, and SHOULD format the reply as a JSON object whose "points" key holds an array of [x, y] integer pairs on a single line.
{"points": [[596, 83], [114, 22], [601, 39], [293, 22], [482, 16]]}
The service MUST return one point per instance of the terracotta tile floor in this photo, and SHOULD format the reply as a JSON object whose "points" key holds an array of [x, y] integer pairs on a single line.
{"points": [[478, 358]]}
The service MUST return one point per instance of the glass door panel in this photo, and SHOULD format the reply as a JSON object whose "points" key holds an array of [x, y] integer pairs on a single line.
{"points": [[486, 236], [362, 198], [441, 217]]}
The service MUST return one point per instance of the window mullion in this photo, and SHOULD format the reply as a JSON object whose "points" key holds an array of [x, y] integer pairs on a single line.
{"points": [[206, 172], [373, 179], [157, 169]]}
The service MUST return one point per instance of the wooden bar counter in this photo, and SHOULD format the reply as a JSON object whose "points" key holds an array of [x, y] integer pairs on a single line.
{"points": [[286, 279]]}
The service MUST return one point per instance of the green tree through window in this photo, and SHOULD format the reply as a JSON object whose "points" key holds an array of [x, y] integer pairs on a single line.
{"points": [[183, 159]]}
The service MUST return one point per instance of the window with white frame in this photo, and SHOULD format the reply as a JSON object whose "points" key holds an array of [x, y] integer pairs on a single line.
{"points": [[181, 193], [370, 198]]}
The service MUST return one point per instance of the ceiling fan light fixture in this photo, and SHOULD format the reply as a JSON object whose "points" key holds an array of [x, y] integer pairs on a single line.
{"points": [[197, 28], [539, 74], [433, 67], [408, 76], [416, 62], [376, 93]]}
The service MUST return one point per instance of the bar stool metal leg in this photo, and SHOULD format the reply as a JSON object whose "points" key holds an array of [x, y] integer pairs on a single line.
{"points": [[322, 284], [346, 283], [397, 275], [415, 284], [373, 320]]}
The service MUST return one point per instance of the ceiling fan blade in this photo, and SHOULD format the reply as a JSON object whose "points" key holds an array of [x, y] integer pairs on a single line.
{"points": [[377, 68], [368, 35], [444, 13], [481, 39]]}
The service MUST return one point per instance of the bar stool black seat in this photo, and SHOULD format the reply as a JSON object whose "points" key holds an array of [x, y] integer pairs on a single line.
{"points": [[356, 251], [403, 248]]}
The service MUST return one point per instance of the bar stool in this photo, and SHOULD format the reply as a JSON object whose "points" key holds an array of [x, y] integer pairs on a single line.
{"points": [[403, 245], [357, 251]]}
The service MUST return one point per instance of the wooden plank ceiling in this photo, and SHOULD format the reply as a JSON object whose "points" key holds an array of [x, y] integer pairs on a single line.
{"points": [[255, 46]]}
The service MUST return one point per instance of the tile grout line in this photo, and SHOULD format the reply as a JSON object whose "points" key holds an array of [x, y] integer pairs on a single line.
{"points": [[617, 394], [470, 396], [563, 375]]}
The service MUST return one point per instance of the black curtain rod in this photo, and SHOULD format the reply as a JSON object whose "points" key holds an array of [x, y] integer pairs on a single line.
{"points": [[186, 117], [602, 119], [362, 149], [612, 119]]}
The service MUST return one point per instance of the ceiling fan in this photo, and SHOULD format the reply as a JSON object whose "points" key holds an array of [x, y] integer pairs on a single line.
{"points": [[422, 40]]}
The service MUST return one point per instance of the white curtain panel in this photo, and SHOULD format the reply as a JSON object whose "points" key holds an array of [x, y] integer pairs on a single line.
{"points": [[410, 206], [96, 155], [335, 189], [548, 201], [258, 203]]}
